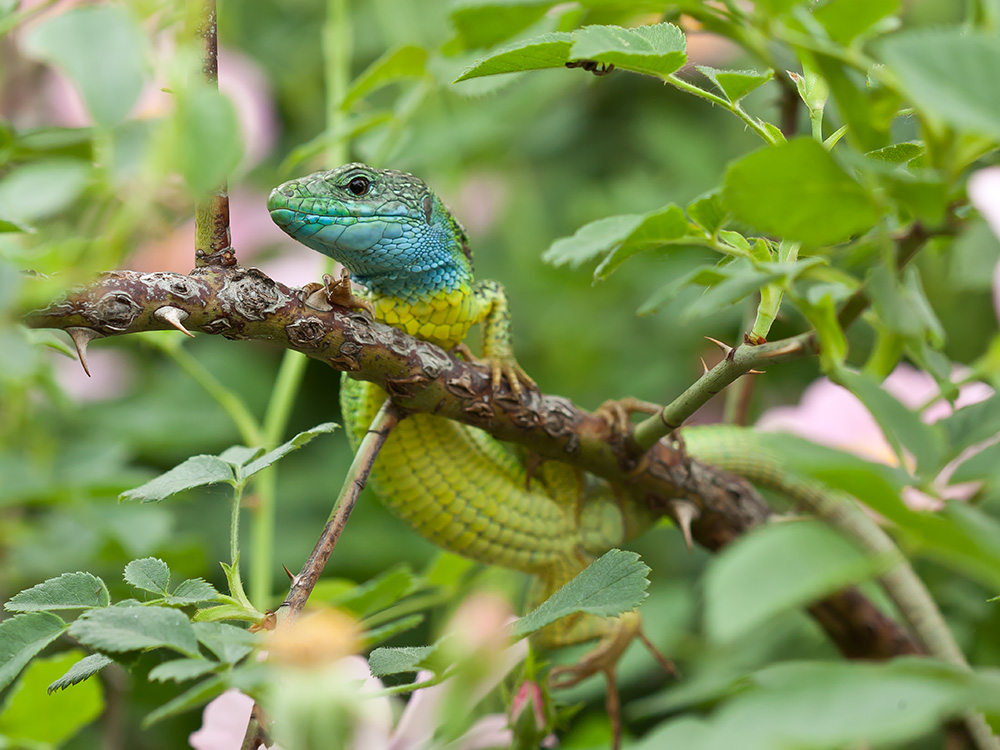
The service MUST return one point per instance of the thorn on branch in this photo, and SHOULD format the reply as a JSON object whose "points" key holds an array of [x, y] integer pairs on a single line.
{"points": [[685, 513], [175, 317], [81, 340], [726, 348]]}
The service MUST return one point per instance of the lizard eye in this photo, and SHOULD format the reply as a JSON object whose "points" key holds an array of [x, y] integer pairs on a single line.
{"points": [[359, 185]]}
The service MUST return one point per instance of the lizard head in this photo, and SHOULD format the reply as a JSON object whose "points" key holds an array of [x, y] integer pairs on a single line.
{"points": [[391, 232]]}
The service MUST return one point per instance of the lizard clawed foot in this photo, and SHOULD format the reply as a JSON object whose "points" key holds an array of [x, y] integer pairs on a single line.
{"points": [[603, 659], [501, 367], [336, 292], [617, 413]]}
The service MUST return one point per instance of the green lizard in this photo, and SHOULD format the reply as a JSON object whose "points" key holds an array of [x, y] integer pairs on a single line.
{"points": [[462, 489]]}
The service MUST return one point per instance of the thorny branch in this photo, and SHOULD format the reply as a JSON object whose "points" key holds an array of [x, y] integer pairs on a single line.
{"points": [[357, 476], [243, 303]]}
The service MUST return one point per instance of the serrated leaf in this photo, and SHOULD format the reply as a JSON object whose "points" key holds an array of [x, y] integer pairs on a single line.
{"points": [[193, 697], [192, 591], [735, 84], [666, 226], [776, 568], [87, 667], [197, 471], [614, 583], [149, 574], [118, 629], [295, 443], [227, 642], [797, 191], [68, 591], [656, 50], [540, 52], [949, 73], [182, 670], [237, 455], [387, 661], [897, 153], [591, 240], [23, 636], [395, 65]]}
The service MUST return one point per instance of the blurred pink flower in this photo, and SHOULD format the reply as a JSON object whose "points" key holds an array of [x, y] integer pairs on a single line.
{"points": [[831, 415], [984, 193], [224, 722]]}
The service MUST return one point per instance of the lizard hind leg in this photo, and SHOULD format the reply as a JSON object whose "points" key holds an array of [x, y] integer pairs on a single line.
{"points": [[615, 634]]}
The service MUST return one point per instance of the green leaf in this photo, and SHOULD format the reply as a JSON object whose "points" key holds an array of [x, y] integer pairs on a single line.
{"points": [[656, 50], [194, 697], [207, 141], [949, 73], [182, 670], [708, 212], [103, 51], [844, 20], [392, 629], [36, 191], [484, 23], [591, 240], [803, 705], [87, 667], [540, 52], [822, 316], [23, 636], [614, 583], [149, 574], [971, 424], [735, 84], [902, 305], [395, 65], [36, 719], [227, 642], [197, 471], [237, 455], [797, 191], [898, 153], [902, 427], [68, 591], [295, 443], [192, 591], [117, 629], [776, 568], [8, 226], [661, 227], [380, 592], [386, 661], [974, 255], [984, 464]]}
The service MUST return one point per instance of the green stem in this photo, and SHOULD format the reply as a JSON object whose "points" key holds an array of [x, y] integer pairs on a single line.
{"points": [[336, 37], [232, 404], [751, 122]]}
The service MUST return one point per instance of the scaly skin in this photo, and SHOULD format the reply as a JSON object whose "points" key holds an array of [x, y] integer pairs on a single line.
{"points": [[454, 484], [458, 486]]}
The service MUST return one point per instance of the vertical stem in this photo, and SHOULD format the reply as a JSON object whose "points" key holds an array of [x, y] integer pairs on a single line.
{"points": [[336, 37]]}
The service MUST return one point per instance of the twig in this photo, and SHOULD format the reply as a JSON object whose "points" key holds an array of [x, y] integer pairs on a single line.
{"points": [[743, 358], [357, 476]]}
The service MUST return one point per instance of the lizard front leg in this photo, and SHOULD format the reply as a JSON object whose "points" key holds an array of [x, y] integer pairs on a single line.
{"points": [[497, 346]]}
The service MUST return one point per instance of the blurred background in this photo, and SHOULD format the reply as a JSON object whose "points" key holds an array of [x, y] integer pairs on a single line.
{"points": [[521, 161]]}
